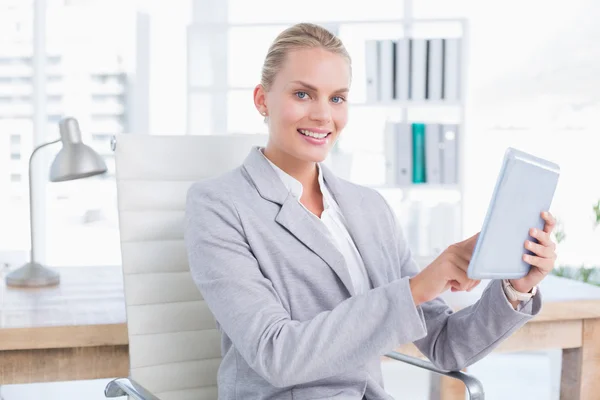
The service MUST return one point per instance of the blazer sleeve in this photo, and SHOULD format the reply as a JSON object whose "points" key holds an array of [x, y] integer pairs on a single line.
{"points": [[284, 351], [456, 340]]}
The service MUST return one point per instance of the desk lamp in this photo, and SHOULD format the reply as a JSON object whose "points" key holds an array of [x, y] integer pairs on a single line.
{"points": [[74, 161]]}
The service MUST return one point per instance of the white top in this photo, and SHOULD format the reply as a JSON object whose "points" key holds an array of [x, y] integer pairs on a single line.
{"points": [[336, 225]]}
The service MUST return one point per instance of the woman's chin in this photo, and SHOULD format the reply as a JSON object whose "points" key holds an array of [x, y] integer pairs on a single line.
{"points": [[314, 152], [315, 155]]}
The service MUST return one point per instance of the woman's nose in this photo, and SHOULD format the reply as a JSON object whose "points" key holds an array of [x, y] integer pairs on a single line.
{"points": [[321, 111]]}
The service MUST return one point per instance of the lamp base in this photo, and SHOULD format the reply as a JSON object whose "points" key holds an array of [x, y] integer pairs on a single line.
{"points": [[32, 274]]}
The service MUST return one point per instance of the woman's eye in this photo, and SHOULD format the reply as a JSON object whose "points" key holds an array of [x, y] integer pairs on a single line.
{"points": [[337, 99], [301, 95]]}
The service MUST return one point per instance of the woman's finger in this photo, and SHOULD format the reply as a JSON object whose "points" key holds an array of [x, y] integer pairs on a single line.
{"points": [[542, 237], [544, 264], [460, 277], [474, 285], [461, 258], [539, 250], [550, 221]]}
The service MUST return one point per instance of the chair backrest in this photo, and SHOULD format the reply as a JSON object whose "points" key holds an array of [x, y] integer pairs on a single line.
{"points": [[174, 347]]}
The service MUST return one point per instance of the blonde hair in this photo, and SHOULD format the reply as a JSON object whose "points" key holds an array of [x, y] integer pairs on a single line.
{"points": [[300, 36]]}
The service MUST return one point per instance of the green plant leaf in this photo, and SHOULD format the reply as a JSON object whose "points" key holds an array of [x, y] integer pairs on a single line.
{"points": [[585, 273], [559, 232], [597, 214], [561, 270]]}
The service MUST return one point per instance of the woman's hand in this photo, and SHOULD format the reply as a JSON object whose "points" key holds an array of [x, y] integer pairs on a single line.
{"points": [[448, 270], [542, 262]]}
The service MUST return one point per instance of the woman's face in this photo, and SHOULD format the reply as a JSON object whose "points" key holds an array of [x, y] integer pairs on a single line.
{"points": [[306, 104]]}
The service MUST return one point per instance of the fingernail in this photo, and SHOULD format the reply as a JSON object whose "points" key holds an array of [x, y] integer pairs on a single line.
{"points": [[528, 244], [545, 213], [534, 231], [525, 257]]}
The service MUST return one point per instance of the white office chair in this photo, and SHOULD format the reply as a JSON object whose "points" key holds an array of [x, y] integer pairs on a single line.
{"points": [[174, 346]]}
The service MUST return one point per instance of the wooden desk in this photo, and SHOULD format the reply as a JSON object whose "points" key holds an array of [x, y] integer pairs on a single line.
{"points": [[73, 331], [569, 320], [78, 331]]}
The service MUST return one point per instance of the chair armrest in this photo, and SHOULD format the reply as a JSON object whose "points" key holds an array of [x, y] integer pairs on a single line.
{"points": [[473, 385], [128, 387]]}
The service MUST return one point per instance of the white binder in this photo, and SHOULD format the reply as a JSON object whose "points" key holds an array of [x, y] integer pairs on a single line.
{"points": [[404, 161], [433, 154], [389, 150], [402, 76], [386, 70], [435, 70], [418, 68], [452, 56], [449, 156], [372, 70]]}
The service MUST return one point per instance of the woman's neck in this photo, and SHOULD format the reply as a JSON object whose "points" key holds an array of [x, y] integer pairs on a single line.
{"points": [[305, 172]]}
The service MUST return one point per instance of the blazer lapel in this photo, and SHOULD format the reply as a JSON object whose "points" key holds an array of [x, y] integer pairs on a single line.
{"points": [[359, 217], [315, 236], [295, 218]]}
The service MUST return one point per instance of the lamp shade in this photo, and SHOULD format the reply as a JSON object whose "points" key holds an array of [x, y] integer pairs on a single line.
{"points": [[75, 160]]}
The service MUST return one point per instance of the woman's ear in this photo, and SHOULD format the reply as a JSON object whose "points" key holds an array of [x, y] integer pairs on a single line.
{"points": [[260, 100]]}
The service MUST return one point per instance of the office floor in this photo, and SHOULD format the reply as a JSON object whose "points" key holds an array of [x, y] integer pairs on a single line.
{"points": [[531, 376]]}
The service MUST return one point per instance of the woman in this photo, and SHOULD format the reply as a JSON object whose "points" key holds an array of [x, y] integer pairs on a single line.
{"points": [[309, 276]]}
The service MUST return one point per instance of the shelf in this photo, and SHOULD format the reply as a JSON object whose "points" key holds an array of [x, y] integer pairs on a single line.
{"points": [[419, 186], [421, 193], [408, 103], [391, 103], [401, 21]]}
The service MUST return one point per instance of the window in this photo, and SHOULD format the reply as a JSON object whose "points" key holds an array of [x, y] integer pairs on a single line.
{"points": [[80, 69], [91, 82], [16, 128]]}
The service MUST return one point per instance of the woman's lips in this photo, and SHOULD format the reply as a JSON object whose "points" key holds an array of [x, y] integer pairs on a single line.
{"points": [[319, 141]]}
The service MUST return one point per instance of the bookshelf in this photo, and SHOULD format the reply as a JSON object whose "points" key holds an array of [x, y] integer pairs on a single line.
{"points": [[209, 54]]}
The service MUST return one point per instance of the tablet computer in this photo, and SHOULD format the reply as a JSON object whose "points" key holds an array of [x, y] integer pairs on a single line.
{"points": [[524, 188]]}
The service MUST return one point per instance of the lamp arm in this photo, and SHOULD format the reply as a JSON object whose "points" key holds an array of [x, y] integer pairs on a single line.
{"points": [[31, 219]]}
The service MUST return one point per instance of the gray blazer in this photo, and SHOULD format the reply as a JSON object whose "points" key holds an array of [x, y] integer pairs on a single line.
{"points": [[291, 325]]}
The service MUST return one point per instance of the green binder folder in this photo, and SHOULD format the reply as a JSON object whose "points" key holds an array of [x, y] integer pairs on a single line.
{"points": [[418, 131]]}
